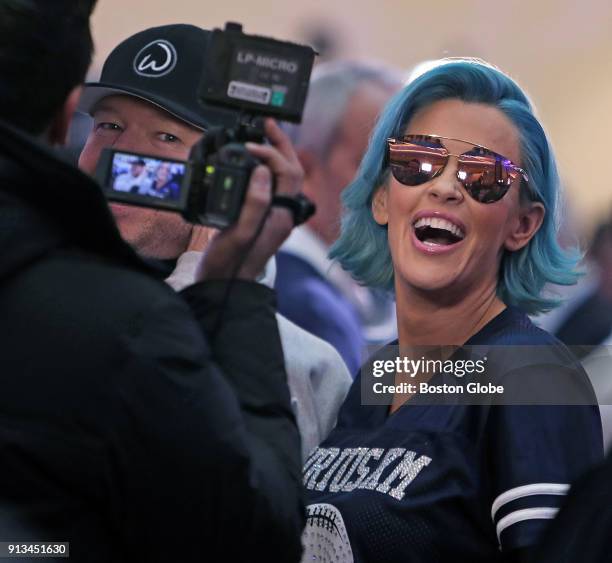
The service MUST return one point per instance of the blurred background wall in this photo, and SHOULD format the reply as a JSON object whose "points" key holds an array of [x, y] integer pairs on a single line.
{"points": [[560, 51]]}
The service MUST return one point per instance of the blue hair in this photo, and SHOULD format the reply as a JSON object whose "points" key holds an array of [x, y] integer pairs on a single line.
{"points": [[362, 247]]}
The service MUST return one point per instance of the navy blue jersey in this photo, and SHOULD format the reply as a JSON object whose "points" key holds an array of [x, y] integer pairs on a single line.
{"points": [[446, 482]]}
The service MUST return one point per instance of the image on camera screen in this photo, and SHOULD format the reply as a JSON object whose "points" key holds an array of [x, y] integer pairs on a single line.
{"points": [[147, 176]]}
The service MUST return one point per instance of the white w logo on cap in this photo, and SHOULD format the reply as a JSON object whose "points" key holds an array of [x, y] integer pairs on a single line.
{"points": [[146, 62]]}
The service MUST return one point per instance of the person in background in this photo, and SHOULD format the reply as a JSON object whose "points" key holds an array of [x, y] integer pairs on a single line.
{"points": [[590, 321], [161, 116], [344, 100], [587, 327]]}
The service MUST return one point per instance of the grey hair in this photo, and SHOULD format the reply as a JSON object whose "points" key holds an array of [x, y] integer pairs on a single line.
{"points": [[331, 88]]}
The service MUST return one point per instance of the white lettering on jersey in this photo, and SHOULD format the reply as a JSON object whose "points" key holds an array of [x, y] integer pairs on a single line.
{"points": [[333, 468]]}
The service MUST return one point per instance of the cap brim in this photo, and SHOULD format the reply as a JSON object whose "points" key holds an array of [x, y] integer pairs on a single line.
{"points": [[93, 92]]}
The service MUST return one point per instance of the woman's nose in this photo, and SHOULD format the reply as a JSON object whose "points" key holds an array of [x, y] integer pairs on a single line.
{"points": [[446, 187]]}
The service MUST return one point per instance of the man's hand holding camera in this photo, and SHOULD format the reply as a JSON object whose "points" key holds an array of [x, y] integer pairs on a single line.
{"points": [[228, 248]]}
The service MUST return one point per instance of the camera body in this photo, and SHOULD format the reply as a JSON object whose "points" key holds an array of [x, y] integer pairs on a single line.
{"points": [[251, 76], [219, 186]]}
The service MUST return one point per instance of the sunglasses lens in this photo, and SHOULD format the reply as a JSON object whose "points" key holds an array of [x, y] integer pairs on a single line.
{"points": [[486, 177], [413, 164], [417, 159]]}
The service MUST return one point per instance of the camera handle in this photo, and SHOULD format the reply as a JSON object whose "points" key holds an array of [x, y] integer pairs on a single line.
{"points": [[248, 129]]}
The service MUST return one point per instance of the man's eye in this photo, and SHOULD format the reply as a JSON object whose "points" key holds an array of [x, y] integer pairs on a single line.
{"points": [[168, 138], [107, 126]]}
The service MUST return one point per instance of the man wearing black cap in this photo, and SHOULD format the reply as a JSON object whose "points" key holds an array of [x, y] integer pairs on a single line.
{"points": [[128, 428], [146, 102]]}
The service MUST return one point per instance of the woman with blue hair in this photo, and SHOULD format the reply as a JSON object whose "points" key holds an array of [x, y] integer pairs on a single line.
{"points": [[453, 208]]}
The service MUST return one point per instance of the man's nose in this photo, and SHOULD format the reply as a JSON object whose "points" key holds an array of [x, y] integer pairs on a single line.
{"points": [[127, 141]]}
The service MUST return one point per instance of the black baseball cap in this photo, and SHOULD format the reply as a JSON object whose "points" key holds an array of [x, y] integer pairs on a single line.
{"points": [[163, 66]]}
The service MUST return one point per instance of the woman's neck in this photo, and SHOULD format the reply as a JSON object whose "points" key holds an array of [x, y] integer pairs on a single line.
{"points": [[425, 319]]}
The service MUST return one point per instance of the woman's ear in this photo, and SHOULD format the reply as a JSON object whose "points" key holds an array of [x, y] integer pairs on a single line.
{"points": [[379, 206], [529, 220]]}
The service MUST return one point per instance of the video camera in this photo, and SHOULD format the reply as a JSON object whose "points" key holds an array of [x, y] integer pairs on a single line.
{"points": [[254, 77]]}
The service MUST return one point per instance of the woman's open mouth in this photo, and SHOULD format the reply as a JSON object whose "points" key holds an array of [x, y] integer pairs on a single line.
{"points": [[435, 234]]}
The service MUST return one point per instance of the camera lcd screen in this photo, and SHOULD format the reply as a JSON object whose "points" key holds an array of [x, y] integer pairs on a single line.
{"points": [[146, 180]]}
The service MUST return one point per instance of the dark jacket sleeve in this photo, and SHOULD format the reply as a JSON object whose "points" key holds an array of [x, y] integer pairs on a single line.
{"points": [[209, 426]]}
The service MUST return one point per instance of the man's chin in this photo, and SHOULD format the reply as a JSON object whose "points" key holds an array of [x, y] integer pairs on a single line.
{"points": [[128, 222], [150, 232]]}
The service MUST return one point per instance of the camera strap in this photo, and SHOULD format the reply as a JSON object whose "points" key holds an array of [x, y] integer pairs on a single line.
{"points": [[300, 206]]}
